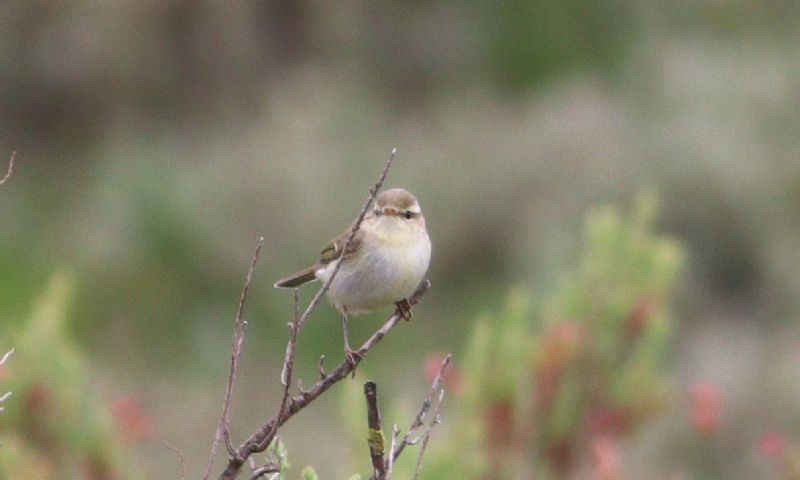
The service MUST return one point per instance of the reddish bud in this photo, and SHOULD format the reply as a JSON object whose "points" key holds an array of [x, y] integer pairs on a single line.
{"points": [[132, 421], [705, 408], [559, 346], [606, 459], [37, 398], [637, 318], [772, 444], [603, 421], [563, 341], [97, 469], [561, 453], [500, 423]]}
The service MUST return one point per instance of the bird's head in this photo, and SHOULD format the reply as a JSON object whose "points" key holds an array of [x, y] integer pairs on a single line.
{"points": [[398, 205]]}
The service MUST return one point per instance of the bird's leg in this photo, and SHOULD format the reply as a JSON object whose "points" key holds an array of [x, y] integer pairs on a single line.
{"points": [[404, 309], [351, 355]]}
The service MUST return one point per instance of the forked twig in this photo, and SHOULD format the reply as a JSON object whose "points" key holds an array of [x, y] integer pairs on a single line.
{"points": [[288, 361], [290, 405], [426, 435], [261, 438], [239, 330], [373, 192], [414, 435]]}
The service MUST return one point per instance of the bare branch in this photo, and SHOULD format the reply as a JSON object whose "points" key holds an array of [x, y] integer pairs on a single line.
{"points": [[10, 167], [414, 436], [375, 439], [180, 455], [288, 361], [390, 466], [239, 330], [427, 434], [290, 405], [370, 198], [262, 437], [419, 420]]}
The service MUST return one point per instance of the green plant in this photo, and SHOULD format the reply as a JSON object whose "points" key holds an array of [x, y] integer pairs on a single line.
{"points": [[56, 427], [551, 388]]}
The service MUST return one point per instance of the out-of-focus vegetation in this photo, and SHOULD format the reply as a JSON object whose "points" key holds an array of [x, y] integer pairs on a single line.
{"points": [[551, 391], [158, 140], [57, 428]]}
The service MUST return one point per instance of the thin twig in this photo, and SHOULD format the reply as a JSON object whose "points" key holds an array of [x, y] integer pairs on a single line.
{"points": [[3, 398], [370, 198], [264, 470], [414, 436], [390, 466], [375, 439], [6, 355], [288, 361], [426, 435], [180, 455], [6, 395], [10, 167], [419, 420], [262, 437], [321, 366], [275, 460], [239, 330]]}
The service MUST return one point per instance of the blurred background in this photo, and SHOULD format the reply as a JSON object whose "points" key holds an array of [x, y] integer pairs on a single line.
{"points": [[158, 140]]}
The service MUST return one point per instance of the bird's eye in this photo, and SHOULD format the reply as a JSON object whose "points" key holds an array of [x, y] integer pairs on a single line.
{"points": [[408, 214]]}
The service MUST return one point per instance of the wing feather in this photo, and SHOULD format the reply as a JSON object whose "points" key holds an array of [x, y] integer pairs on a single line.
{"points": [[333, 250]]}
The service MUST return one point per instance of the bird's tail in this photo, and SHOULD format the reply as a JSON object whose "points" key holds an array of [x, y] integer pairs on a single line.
{"points": [[297, 279]]}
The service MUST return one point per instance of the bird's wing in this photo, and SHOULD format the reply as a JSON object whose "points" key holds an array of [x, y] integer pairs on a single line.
{"points": [[333, 250]]}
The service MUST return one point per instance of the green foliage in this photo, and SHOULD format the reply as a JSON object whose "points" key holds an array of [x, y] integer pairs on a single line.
{"points": [[531, 41], [586, 366], [56, 427], [278, 455], [308, 473]]}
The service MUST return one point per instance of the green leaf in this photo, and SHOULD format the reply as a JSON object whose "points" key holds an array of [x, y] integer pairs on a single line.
{"points": [[308, 473]]}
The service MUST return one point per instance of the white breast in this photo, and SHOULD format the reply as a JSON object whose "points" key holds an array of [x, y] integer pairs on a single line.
{"points": [[380, 274]]}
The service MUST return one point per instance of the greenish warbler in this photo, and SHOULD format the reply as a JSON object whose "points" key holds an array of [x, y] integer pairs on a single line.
{"points": [[386, 260]]}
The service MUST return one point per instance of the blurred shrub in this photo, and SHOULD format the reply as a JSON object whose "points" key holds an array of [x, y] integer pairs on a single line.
{"points": [[527, 42], [55, 427], [551, 390]]}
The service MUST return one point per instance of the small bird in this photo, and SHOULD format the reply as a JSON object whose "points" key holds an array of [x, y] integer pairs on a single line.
{"points": [[384, 264]]}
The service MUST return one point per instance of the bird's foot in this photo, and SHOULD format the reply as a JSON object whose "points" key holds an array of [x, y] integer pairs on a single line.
{"points": [[404, 309], [352, 357]]}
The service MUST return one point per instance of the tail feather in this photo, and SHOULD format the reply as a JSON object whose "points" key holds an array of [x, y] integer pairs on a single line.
{"points": [[297, 279]]}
